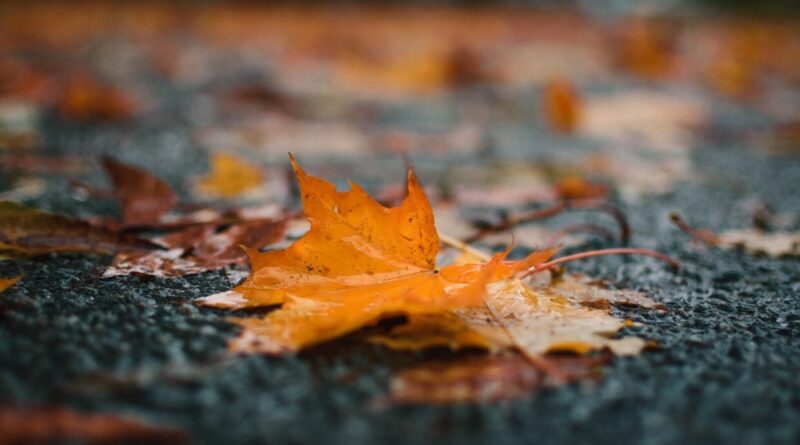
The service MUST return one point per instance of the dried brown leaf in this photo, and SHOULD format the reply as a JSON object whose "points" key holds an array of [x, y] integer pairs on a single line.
{"points": [[776, 244], [144, 197], [28, 231], [484, 379], [88, 100], [41, 425], [199, 249]]}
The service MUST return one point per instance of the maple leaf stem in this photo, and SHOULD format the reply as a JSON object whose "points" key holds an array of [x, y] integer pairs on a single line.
{"points": [[592, 253], [703, 235], [456, 243], [512, 221], [612, 210], [562, 206]]}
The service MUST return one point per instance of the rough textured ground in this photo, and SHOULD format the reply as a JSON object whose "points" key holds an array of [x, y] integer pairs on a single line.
{"points": [[725, 371]]}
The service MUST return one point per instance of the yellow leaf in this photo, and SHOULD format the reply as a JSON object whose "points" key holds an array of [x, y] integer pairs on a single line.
{"points": [[562, 105], [359, 262], [5, 283], [230, 177]]}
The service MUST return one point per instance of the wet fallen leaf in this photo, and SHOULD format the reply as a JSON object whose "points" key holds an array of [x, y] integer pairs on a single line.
{"points": [[462, 328], [280, 136], [44, 425], [755, 241], [88, 100], [199, 249], [645, 48], [28, 231], [581, 290], [782, 138], [542, 320], [484, 379], [144, 197], [636, 176], [19, 122], [465, 68], [562, 105], [230, 177], [776, 244], [736, 69], [561, 314], [655, 121], [423, 70], [264, 96], [360, 262], [5, 283], [577, 187], [23, 80], [33, 163], [24, 188]]}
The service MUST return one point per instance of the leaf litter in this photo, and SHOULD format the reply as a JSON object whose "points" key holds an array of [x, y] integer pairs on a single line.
{"points": [[28, 231], [195, 242], [361, 263]]}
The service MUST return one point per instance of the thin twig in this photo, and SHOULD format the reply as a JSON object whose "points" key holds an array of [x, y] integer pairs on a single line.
{"points": [[614, 211], [592, 253], [510, 222], [703, 235], [547, 212]]}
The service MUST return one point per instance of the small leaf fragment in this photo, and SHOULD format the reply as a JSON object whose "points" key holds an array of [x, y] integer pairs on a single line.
{"points": [[6, 283]]}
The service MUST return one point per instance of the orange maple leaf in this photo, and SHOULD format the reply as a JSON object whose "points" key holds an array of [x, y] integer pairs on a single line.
{"points": [[359, 262]]}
